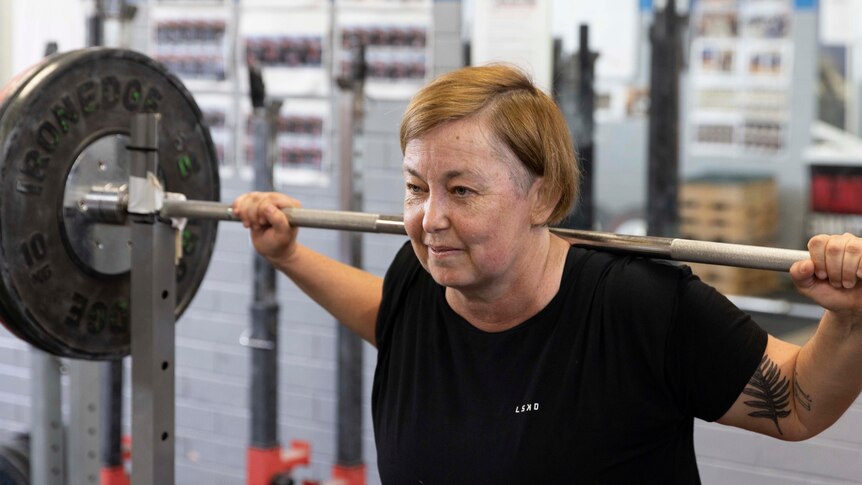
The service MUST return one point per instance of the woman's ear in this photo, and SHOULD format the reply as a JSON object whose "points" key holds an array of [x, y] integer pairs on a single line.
{"points": [[542, 202]]}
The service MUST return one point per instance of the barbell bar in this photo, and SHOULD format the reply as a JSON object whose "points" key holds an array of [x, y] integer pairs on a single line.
{"points": [[676, 249]]}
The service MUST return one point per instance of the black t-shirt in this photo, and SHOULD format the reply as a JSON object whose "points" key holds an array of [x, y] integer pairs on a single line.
{"points": [[599, 387]]}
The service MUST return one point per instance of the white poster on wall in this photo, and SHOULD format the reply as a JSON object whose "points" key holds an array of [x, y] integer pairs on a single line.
{"points": [[840, 21], [290, 46], [515, 31], [396, 36], [741, 65], [36, 24], [613, 32]]}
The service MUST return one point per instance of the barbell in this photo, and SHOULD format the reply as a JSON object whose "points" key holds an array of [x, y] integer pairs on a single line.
{"points": [[65, 247]]}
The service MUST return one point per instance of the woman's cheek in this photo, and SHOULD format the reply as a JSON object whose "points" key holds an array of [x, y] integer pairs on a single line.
{"points": [[412, 221]]}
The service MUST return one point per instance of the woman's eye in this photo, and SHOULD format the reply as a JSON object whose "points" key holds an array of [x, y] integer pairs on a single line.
{"points": [[413, 189]]}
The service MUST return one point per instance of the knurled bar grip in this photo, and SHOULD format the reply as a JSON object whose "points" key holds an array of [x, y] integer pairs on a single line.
{"points": [[735, 254], [688, 250]]}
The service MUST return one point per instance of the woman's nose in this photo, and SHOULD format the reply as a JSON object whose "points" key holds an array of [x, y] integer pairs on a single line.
{"points": [[435, 218]]}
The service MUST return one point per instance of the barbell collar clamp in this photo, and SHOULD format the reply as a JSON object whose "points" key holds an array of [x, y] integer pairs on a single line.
{"points": [[106, 203]]}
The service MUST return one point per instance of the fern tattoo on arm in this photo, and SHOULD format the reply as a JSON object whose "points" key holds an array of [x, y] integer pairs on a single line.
{"points": [[771, 391]]}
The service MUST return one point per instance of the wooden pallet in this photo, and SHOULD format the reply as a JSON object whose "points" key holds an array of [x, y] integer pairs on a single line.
{"points": [[737, 281], [729, 209], [730, 226]]}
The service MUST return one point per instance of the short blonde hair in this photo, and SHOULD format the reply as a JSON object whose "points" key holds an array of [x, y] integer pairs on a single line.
{"points": [[520, 116]]}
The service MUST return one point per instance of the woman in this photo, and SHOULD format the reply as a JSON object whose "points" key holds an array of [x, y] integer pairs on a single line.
{"points": [[507, 356]]}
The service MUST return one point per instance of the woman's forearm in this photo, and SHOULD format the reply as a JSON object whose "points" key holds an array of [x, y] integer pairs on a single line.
{"points": [[351, 295], [828, 373]]}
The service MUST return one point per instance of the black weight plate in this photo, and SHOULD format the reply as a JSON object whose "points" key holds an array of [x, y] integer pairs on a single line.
{"points": [[13, 471], [7, 92], [48, 117], [15, 461]]}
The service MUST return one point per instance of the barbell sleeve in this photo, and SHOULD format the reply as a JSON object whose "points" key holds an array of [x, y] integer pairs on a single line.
{"points": [[197, 209], [685, 250]]}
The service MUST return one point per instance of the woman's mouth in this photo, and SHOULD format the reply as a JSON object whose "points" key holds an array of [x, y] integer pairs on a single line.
{"points": [[442, 251]]}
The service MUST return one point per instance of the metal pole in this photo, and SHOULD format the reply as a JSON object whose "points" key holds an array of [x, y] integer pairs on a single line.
{"points": [[663, 151], [351, 97], [47, 433], [111, 399], [112, 414], [84, 420], [263, 339], [584, 217], [153, 297], [574, 93]]}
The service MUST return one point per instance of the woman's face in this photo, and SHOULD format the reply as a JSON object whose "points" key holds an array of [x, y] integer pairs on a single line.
{"points": [[468, 217]]}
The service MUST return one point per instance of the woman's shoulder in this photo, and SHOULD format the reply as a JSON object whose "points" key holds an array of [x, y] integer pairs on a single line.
{"points": [[625, 270]]}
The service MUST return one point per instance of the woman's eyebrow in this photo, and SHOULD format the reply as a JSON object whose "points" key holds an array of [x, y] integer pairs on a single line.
{"points": [[449, 175]]}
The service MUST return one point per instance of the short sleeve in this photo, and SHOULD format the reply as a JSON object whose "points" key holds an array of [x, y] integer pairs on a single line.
{"points": [[720, 346]]}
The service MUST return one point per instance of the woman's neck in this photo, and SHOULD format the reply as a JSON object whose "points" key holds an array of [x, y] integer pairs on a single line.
{"points": [[513, 302]]}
